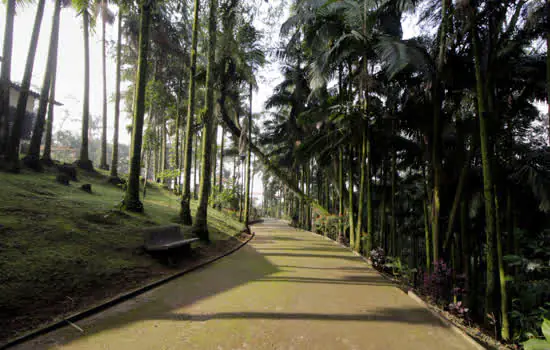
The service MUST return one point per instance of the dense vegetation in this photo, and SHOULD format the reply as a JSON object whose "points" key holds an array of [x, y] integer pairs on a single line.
{"points": [[427, 154]]}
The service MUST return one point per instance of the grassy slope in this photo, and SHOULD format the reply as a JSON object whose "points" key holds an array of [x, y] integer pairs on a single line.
{"points": [[58, 242]]}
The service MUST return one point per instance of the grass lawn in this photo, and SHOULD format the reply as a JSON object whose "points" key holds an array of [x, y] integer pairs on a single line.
{"points": [[62, 249]]}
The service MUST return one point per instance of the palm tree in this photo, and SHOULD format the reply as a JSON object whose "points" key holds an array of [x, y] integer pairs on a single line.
{"points": [[131, 199], [114, 160], [84, 162], [5, 78], [15, 135], [32, 159], [107, 17], [200, 226], [47, 154], [248, 156], [185, 209]]}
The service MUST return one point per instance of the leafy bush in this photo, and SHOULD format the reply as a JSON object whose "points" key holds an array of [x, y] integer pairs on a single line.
{"points": [[458, 309], [438, 284], [400, 269], [537, 343], [378, 257], [228, 198], [329, 225]]}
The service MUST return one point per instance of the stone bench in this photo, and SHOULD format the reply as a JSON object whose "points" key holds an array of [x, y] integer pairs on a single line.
{"points": [[167, 242]]}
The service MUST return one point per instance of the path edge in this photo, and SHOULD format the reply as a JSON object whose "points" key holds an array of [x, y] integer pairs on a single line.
{"points": [[66, 321], [414, 297]]}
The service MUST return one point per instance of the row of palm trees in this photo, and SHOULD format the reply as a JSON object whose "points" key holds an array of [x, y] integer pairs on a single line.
{"points": [[428, 148], [162, 60], [11, 137]]}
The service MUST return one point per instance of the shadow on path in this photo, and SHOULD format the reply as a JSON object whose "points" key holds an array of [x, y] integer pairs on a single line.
{"points": [[409, 316]]}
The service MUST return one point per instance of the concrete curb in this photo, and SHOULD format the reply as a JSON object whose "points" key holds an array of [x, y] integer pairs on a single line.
{"points": [[446, 321], [413, 296], [115, 301]]}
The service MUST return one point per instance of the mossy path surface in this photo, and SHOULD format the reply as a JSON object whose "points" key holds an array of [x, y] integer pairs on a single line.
{"points": [[287, 289]]}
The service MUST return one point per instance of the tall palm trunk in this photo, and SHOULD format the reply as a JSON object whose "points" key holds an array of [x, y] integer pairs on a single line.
{"points": [[393, 224], [487, 178], [196, 167], [214, 155], [437, 103], [220, 184], [33, 156], [47, 154], [200, 227], [103, 156], [185, 209], [21, 109], [177, 145], [248, 154], [84, 161], [370, 215], [360, 206], [5, 78], [164, 141], [504, 324], [131, 199], [341, 233], [114, 159], [351, 208]]}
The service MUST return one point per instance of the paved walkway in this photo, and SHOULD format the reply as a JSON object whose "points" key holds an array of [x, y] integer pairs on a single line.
{"points": [[286, 289]]}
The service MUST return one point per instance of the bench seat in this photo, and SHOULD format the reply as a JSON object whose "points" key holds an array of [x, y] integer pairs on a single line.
{"points": [[167, 243]]}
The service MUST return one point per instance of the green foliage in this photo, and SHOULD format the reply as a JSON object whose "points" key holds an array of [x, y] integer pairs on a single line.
{"points": [[540, 344], [401, 270], [226, 199], [329, 225]]}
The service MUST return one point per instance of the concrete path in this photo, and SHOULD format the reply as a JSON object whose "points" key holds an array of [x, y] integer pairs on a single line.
{"points": [[287, 289]]}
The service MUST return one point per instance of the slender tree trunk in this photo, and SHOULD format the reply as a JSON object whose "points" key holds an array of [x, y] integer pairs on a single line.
{"points": [[341, 233], [103, 157], [383, 210], [195, 167], [163, 153], [252, 186], [177, 145], [505, 325], [84, 161], [214, 156], [185, 209], [146, 176], [114, 160], [437, 103], [33, 155], [200, 228], [21, 109], [5, 78], [427, 236], [131, 200], [351, 208], [360, 207], [487, 179], [220, 184], [47, 154], [393, 224], [248, 156], [370, 213]]}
